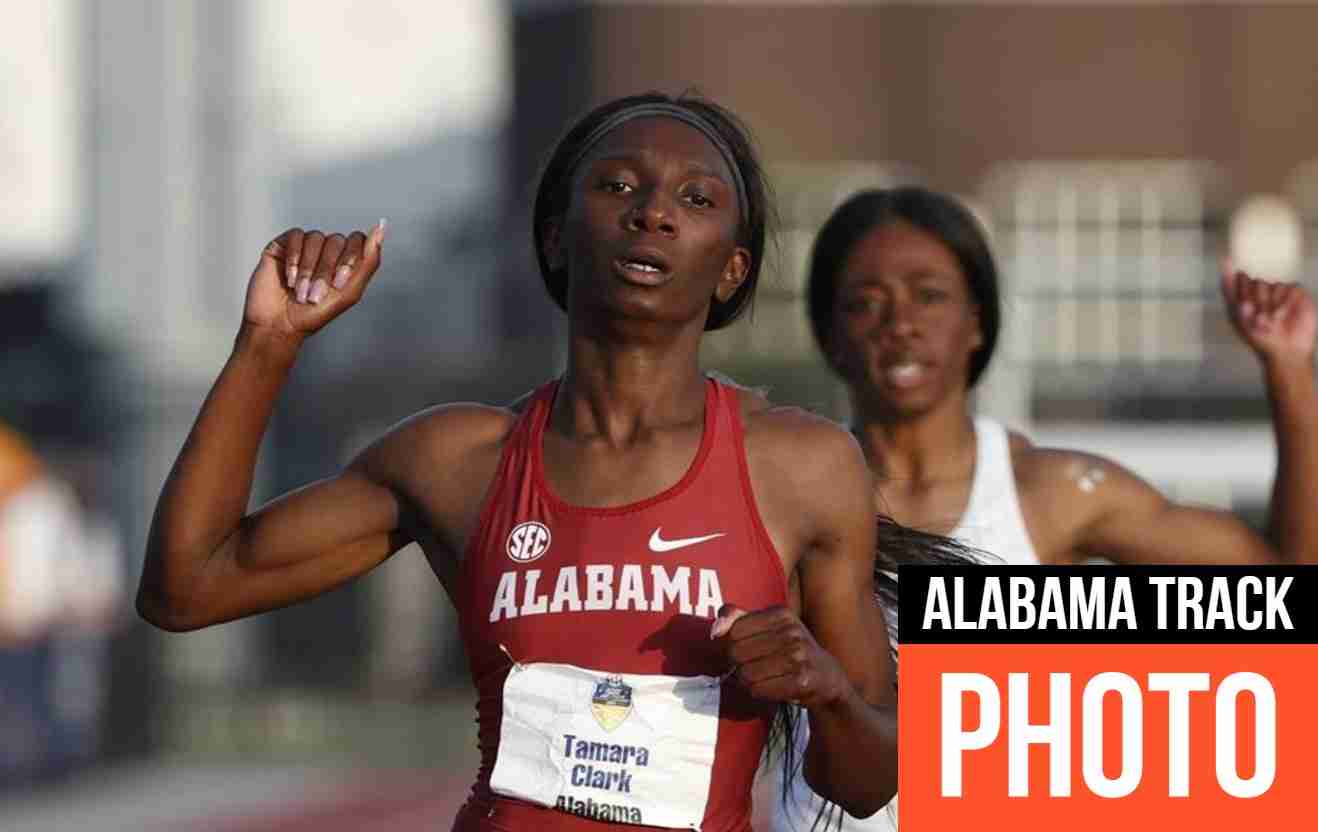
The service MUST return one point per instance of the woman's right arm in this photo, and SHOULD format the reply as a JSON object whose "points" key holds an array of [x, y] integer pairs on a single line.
{"points": [[207, 560]]}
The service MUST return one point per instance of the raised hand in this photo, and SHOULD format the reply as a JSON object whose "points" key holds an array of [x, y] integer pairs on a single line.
{"points": [[1279, 321], [773, 655], [305, 279]]}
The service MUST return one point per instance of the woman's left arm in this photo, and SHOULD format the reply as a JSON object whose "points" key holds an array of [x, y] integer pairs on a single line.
{"points": [[833, 659]]}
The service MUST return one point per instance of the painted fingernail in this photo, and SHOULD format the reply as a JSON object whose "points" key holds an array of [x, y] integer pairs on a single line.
{"points": [[341, 276], [303, 287], [1247, 310], [291, 270], [383, 225], [319, 290]]}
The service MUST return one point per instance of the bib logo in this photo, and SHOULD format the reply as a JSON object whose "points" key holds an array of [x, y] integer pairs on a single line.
{"points": [[612, 702], [528, 541]]}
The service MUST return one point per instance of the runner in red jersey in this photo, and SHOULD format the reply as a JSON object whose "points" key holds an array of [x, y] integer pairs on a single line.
{"points": [[629, 588], [645, 562]]}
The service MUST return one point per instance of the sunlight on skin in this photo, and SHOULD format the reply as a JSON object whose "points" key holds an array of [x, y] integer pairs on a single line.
{"points": [[1086, 475]]}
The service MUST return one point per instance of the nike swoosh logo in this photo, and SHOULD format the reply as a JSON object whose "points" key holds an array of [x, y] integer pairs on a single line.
{"points": [[658, 544]]}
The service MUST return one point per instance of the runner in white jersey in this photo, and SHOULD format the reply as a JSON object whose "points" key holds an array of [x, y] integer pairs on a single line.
{"points": [[903, 299]]}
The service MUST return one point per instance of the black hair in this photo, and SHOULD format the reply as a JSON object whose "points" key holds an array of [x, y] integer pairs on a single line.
{"points": [[935, 213], [554, 191]]}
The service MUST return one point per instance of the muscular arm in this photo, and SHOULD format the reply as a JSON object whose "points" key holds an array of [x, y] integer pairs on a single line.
{"points": [[1293, 524], [855, 727], [814, 491], [1279, 322], [1131, 522], [1122, 518], [206, 560]]}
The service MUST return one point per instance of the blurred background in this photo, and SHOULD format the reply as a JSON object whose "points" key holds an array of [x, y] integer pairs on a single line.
{"points": [[149, 148]]}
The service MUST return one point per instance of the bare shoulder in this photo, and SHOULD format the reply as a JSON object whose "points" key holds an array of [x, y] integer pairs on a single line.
{"points": [[808, 441], [806, 470], [1058, 474], [437, 438], [764, 416], [1051, 467], [1064, 492]]}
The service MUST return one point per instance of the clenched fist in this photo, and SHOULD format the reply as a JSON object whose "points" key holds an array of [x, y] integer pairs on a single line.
{"points": [[1277, 320], [306, 279], [773, 655]]}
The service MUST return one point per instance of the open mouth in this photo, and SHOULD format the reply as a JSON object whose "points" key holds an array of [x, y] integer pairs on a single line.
{"points": [[646, 267], [640, 265], [905, 374]]}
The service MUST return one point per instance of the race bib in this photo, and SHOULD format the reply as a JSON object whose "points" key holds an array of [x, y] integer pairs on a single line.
{"points": [[612, 747]]}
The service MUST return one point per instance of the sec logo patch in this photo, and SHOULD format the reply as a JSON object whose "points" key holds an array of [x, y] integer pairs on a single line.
{"points": [[528, 541]]}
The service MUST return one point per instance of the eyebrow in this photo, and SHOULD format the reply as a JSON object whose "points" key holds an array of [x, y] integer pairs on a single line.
{"points": [[912, 277], [931, 274], [692, 167]]}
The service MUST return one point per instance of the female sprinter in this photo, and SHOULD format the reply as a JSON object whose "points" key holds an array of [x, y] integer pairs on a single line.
{"points": [[903, 300], [591, 533]]}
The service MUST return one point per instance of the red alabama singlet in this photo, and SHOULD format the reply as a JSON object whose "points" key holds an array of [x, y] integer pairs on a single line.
{"points": [[608, 611]]}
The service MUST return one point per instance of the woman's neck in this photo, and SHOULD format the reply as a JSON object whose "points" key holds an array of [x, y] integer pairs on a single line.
{"points": [[937, 445], [617, 391]]}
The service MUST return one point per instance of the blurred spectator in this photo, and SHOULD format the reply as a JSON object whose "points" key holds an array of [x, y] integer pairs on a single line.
{"points": [[60, 587]]}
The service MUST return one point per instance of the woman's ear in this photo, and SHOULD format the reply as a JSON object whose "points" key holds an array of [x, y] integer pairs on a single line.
{"points": [[734, 274]]}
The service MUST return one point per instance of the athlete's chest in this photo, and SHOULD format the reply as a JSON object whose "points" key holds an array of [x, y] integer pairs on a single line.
{"points": [[935, 507], [636, 590], [597, 473], [663, 560]]}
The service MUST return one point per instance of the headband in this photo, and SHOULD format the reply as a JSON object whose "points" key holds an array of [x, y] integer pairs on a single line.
{"points": [[688, 117]]}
